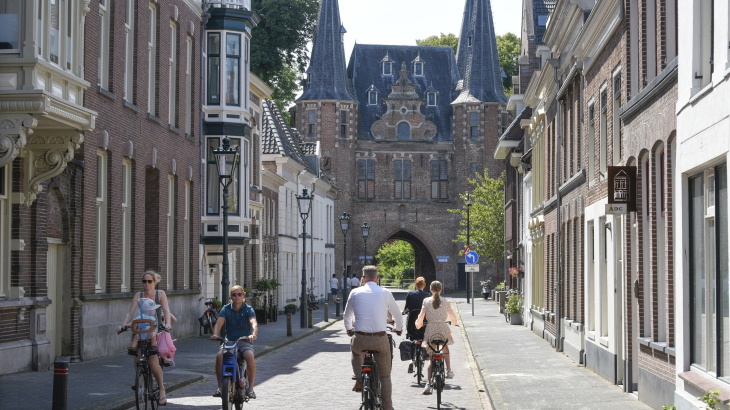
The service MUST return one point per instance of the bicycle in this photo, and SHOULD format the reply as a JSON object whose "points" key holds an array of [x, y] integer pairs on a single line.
{"points": [[209, 317], [234, 375], [371, 392], [416, 337], [438, 377], [145, 388]]}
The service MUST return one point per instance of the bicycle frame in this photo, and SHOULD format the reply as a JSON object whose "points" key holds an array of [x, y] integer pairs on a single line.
{"points": [[370, 383]]}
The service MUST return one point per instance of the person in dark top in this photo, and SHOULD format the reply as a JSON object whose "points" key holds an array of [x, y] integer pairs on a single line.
{"points": [[415, 298]]}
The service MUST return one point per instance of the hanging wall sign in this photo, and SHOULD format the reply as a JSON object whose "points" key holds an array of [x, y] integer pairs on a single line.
{"points": [[622, 187]]}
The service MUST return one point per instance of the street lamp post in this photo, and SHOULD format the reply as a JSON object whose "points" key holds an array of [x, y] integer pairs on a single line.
{"points": [[226, 160], [365, 232], [468, 243], [345, 226], [305, 206]]}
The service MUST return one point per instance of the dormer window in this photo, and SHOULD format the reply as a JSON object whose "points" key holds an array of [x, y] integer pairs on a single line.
{"points": [[542, 20], [431, 98], [418, 69], [309, 78], [387, 68], [469, 41], [372, 98]]}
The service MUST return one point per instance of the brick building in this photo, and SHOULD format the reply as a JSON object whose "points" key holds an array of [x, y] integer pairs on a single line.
{"points": [[402, 129]]}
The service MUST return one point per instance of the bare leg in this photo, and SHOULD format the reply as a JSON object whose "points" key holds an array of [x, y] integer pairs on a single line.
{"points": [[250, 367], [447, 358], [157, 372], [219, 367], [430, 370]]}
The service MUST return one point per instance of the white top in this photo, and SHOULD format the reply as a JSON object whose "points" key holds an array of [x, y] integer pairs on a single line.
{"points": [[354, 282], [334, 283], [370, 305]]}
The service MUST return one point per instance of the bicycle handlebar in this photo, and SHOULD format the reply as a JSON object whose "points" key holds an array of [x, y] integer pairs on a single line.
{"points": [[160, 327], [220, 339]]}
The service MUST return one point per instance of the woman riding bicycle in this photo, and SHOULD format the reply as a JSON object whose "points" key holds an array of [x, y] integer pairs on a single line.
{"points": [[149, 281], [435, 310]]}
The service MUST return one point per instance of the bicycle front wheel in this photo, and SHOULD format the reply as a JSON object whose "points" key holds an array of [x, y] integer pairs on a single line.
{"points": [[140, 388], [227, 394]]}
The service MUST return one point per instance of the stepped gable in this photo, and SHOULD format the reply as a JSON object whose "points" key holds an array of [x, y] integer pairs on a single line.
{"points": [[326, 72], [279, 138], [365, 72], [478, 57]]}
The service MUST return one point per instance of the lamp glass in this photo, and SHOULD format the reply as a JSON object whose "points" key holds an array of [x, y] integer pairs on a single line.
{"points": [[226, 158], [345, 222], [304, 201], [365, 230]]}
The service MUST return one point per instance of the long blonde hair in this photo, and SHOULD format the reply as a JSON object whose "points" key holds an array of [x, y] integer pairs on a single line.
{"points": [[436, 293]]}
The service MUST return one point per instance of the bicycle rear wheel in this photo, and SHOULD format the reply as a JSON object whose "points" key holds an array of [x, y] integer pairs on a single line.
{"points": [[368, 401], [419, 366], [140, 388]]}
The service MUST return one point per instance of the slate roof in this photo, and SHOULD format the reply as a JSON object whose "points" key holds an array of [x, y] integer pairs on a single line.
{"points": [[440, 72], [479, 63], [308, 148], [514, 131], [279, 138], [541, 8], [327, 63]]}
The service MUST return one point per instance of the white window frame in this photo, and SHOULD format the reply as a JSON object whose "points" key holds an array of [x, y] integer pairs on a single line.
{"points": [[129, 51], [415, 69], [660, 222], [152, 60], [435, 99], [172, 98], [101, 220], [388, 64], [591, 276], [19, 20], [187, 235], [39, 29], [126, 225], [170, 230], [370, 93], [5, 218], [59, 30], [591, 138], [615, 118], [103, 58], [603, 131], [189, 88]]}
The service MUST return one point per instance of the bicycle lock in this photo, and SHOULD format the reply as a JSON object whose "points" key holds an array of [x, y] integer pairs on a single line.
{"points": [[60, 382]]}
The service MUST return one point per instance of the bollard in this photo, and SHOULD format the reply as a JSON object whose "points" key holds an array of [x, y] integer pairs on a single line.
{"points": [[311, 320], [60, 383], [327, 312], [337, 307], [288, 324]]}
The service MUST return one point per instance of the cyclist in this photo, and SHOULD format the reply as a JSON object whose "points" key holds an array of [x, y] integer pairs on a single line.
{"points": [[370, 305], [240, 321], [435, 310], [414, 301], [150, 279]]}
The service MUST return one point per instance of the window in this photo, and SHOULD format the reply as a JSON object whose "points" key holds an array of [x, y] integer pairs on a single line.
{"points": [[706, 64], [311, 122], [660, 229], [603, 156], [129, 52], [70, 23], [402, 178], [214, 65], [372, 98], [126, 225], [4, 230], [10, 21], [439, 179], [55, 40], [542, 20], [172, 120], [104, 44], [233, 67], [101, 220], [235, 188], [343, 124], [387, 68], [418, 69], [591, 296], [170, 230], [366, 178], [470, 41], [404, 131], [189, 88], [431, 99], [474, 125], [591, 137], [40, 28], [617, 145], [709, 271], [152, 61], [603, 275], [212, 186], [474, 169]]}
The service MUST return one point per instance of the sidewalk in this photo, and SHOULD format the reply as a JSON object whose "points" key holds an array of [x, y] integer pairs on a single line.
{"points": [[522, 371], [104, 383]]}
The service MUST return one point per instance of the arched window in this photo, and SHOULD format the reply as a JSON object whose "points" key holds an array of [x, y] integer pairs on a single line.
{"points": [[404, 131]]}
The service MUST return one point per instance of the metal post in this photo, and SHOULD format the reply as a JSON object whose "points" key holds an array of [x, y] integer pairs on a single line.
{"points": [[288, 324], [468, 243], [559, 308], [326, 311], [310, 314], [224, 277], [303, 302], [337, 307], [365, 245], [344, 270], [60, 383]]}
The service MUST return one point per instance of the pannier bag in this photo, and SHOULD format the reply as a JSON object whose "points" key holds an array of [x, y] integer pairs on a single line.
{"points": [[406, 350]]}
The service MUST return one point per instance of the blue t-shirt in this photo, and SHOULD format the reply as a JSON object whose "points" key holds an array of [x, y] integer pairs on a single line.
{"points": [[237, 324]]}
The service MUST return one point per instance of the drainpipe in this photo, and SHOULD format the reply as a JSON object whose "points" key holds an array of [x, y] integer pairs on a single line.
{"points": [[555, 62], [203, 21]]}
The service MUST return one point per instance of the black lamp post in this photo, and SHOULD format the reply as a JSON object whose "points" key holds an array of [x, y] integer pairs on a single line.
{"points": [[365, 232], [468, 243], [226, 160], [305, 206], [345, 226]]}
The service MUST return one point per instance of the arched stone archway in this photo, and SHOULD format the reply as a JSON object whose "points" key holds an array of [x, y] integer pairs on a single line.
{"points": [[424, 259]]}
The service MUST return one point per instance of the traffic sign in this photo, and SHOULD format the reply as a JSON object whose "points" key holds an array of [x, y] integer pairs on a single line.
{"points": [[472, 258], [467, 250], [443, 260], [471, 268], [369, 257]]}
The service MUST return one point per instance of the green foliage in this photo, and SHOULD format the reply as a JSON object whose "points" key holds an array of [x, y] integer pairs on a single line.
{"points": [[508, 46], [487, 217], [711, 399], [217, 304], [669, 407], [290, 306], [514, 304], [500, 286], [262, 285], [274, 283], [396, 260], [279, 44], [444, 40]]}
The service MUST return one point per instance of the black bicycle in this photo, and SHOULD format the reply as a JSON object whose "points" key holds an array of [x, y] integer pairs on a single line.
{"points": [[146, 390], [416, 337], [371, 392], [438, 377], [209, 317]]}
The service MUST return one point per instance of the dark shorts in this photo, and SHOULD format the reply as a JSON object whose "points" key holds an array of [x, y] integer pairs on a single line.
{"points": [[334, 291], [242, 346]]}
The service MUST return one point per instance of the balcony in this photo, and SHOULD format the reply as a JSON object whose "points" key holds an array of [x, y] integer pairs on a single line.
{"points": [[231, 4]]}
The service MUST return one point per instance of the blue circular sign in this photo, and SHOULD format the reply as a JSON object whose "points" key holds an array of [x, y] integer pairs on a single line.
{"points": [[472, 258]]}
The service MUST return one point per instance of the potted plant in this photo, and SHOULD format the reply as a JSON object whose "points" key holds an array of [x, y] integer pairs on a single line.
{"points": [[260, 315], [514, 309], [290, 308], [517, 272]]}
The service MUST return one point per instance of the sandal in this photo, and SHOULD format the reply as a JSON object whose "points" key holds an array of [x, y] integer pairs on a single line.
{"points": [[162, 401], [217, 393], [251, 395]]}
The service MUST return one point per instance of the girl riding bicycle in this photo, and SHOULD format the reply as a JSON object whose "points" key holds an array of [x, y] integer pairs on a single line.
{"points": [[435, 310]]}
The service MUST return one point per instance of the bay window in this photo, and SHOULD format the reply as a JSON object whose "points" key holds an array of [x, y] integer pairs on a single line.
{"points": [[214, 65], [236, 195], [4, 231], [10, 21], [55, 32], [233, 66]]}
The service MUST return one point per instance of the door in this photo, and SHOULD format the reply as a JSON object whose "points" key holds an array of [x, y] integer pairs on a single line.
{"points": [[619, 273], [54, 312], [461, 282]]}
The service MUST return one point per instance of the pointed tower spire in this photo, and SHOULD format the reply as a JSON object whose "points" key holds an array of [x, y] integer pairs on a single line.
{"points": [[326, 75], [477, 57]]}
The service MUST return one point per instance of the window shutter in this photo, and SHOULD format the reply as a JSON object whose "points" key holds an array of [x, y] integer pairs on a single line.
{"points": [[444, 174], [371, 189], [434, 189], [371, 169], [361, 189], [434, 170], [444, 189], [406, 189]]}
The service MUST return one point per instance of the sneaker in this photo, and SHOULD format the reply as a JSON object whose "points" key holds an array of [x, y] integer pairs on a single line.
{"points": [[410, 367], [449, 374], [428, 389], [217, 393]]}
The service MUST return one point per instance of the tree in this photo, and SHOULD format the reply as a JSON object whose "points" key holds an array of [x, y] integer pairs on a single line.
{"points": [[279, 44], [487, 217], [508, 46], [445, 40], [395, 260]]}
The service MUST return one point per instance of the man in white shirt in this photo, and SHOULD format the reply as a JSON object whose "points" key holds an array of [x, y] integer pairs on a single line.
{"points": [[370, 305], [355, 282], [334, 285]]}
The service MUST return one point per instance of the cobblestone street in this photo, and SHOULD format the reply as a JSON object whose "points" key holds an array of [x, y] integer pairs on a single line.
{"points": [[315, 373]]}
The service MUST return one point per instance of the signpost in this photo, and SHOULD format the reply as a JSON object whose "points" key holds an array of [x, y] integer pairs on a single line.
{"points": [[443, 260], [472, 265]]}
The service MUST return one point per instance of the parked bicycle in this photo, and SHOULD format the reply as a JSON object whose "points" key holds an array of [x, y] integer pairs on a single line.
{"points": [[507, 316], [438, 377], [371, 392], [234, 377], [209, 317], [146, 390], [312, 301]]}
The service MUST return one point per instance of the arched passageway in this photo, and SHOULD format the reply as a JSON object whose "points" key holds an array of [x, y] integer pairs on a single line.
{"points": [[424, 260]]}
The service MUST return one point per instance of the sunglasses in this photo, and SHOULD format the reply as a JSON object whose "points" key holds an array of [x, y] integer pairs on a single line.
{"points": [[237, 294], [146, 280]]}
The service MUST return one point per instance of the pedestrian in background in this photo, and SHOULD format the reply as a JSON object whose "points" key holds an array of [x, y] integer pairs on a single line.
{"points": [[334, 285], [354, 282]]}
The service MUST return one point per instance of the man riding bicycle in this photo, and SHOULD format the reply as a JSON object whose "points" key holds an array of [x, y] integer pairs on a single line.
{"points": [[370, 305], [240, 321]]}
